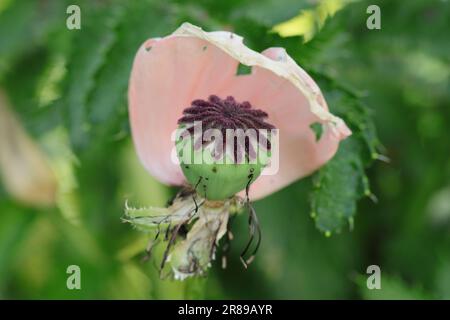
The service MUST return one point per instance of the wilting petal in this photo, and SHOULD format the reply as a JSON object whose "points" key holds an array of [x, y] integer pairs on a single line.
{"points": [[292, 113], [25, 170], [190, 64]]}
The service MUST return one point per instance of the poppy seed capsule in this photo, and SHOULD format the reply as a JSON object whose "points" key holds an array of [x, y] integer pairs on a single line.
{"points": [[222, 146]]}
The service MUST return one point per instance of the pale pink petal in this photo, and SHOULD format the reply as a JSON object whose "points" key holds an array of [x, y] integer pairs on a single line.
{"points": [[289, 111], [169, 73]]}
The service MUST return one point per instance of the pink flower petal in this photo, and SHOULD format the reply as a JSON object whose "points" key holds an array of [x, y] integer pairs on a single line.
{"points": [[190, 64]]}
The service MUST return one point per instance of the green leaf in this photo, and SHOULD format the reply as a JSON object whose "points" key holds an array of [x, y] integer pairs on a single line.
{"points": [[346, 103], [24, 25], [14, 24], [318, 129], [342, 181], [14, 226], [106, 106], [38, 70], [308, 22], [270, 12], [243, 69], [93, 42], [337, 187], [24, 77]]}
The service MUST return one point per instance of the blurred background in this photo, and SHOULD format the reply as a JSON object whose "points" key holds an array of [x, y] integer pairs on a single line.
{"points": [[67, 163]]}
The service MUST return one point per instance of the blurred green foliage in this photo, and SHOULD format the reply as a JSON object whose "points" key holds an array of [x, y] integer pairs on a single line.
{"points": [[68, 88]]}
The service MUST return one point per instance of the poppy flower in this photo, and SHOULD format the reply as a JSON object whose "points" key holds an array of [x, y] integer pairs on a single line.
{"points": [[192, 76]]}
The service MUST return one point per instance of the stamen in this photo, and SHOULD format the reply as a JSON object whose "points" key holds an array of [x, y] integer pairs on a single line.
{"points": [[253, 225]]}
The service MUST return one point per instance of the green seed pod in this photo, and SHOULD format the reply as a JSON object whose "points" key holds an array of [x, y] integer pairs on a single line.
{"points": [[216, 179]]}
